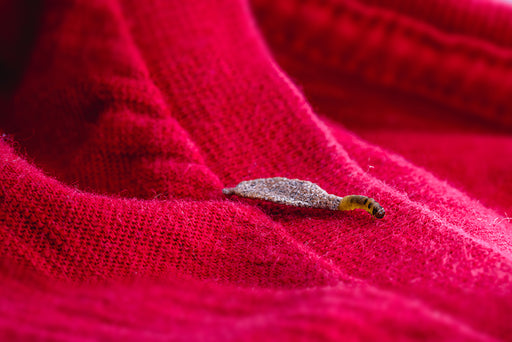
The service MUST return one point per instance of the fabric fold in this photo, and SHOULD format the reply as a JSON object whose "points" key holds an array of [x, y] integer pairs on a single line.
{"points": [[132, 116]]}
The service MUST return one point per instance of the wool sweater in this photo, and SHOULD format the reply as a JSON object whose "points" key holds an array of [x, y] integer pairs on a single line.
{"points": [[123, 120]]}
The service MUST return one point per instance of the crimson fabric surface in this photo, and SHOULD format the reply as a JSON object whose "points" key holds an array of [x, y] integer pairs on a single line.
{"points": [[123, 120]]}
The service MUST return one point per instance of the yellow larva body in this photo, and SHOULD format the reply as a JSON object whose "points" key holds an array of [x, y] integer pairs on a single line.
{"points": [[352, 202]]}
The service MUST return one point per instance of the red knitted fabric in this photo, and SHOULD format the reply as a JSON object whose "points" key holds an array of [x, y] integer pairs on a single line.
{"points": [[123, 120]]}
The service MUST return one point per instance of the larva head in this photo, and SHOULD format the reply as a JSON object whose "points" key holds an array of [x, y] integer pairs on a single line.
{"points": [[378, 211]]}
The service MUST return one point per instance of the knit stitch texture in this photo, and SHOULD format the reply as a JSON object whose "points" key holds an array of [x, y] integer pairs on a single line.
{"points": [[123, 120]]}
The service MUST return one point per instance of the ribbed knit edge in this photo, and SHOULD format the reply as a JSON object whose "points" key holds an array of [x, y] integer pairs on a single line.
{"points": [[391, 49], [488, 20]]}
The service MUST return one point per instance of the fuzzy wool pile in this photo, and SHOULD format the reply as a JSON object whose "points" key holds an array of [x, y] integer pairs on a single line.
{"points": [[123, 120]]}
